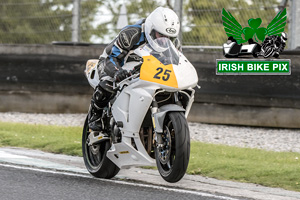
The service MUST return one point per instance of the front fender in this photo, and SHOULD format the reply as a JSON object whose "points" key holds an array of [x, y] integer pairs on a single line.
{"points": [[159, 117]]}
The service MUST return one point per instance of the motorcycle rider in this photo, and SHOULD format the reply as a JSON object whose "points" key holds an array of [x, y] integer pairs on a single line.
{"points": [[278, 43], [162, 22]]}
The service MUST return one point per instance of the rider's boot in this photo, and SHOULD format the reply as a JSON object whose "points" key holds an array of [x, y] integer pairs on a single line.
{"points": [[95, 119], [98, 102]]}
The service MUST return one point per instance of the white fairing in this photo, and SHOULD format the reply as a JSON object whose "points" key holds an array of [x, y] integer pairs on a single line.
{"points": [[130, 108], [91, 72], [185, 73]]}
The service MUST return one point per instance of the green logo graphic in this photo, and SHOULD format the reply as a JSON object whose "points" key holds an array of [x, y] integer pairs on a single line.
{"points": [[254, 31]]}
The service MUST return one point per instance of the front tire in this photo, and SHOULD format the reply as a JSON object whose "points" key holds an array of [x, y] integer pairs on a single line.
{"points": [[95, 158], [173, 157]]}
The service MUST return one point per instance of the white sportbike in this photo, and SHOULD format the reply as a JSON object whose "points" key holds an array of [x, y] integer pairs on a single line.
{"points": [[145, 123]]}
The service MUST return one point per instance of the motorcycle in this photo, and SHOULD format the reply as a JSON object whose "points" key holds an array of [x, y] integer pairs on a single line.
{"points": [[232, 49], [145, 123], [271, 47]]}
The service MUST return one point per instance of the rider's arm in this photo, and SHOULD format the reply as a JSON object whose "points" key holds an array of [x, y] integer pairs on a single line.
{"points": [[125, 41]]}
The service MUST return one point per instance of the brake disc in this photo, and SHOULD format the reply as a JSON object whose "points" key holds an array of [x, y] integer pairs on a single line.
{"points": [[165, 150]]}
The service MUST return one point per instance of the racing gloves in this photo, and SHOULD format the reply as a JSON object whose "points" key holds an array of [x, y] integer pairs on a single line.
{"points": [[121, 74]]}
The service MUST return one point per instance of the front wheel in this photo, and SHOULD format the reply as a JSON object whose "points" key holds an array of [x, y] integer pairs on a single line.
{"points": [[172, 156], [95, 158]]}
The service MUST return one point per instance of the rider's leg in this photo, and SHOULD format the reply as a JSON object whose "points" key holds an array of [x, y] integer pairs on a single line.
{"points": [[99, 100]]}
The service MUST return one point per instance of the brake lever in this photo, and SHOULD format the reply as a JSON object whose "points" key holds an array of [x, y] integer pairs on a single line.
{"points": [[116, 85], [136, 68]]}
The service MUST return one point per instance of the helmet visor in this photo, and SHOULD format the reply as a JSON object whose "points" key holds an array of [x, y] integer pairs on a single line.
{"points": [[159, 42]]}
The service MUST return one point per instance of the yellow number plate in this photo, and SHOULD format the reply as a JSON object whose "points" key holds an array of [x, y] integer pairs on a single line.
{"points": [[154, 71]]}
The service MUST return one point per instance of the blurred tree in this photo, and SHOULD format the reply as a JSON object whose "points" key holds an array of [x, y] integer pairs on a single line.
{"points": [[204, 18], [42, 21], [106, 29], [143, 9], [136, 10], [92, 23]]}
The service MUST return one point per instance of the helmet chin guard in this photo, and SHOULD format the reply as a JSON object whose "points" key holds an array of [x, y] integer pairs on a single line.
{"points": [[162, 22]]}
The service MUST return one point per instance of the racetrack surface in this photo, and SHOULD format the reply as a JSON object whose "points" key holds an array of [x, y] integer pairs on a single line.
{"points": [[32, 174], [20, 183]]}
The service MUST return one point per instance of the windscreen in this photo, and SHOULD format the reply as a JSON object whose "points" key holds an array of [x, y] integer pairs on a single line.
{"points": [[166, 53]]}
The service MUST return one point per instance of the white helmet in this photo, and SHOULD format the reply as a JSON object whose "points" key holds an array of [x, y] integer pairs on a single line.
{"points": [[283, 37], [162, 22]]}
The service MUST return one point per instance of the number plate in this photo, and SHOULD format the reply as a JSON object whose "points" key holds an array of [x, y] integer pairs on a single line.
{"points": [[154, 71]]}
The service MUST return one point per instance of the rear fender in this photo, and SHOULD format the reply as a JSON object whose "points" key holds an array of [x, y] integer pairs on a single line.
{"points": [[159, 117]]}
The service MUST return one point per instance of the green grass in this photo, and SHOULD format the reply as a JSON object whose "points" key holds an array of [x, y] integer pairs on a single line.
{"points": [[55, 139], [267, 168], [274, 169]]}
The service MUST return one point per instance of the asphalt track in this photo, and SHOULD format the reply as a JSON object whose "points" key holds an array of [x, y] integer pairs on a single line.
{"points": [[25, 183], [30, 174]]}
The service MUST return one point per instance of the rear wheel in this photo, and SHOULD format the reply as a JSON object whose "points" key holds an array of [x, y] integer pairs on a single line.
{"points": [[95, 158], [172, 157]]}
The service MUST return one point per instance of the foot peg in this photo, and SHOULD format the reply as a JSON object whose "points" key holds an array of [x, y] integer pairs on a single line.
{"points": [[96, 137]]}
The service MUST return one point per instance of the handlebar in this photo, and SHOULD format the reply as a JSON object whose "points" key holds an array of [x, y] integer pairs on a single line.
{"points": [[133, 74]]}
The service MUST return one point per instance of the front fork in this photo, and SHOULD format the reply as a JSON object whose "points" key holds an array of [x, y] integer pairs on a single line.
{"points": [[154, 110], [157, 138], [158, 114]]}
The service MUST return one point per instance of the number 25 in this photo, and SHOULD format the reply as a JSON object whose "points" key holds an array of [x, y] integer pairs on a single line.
{"points": [[166, 75]]}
